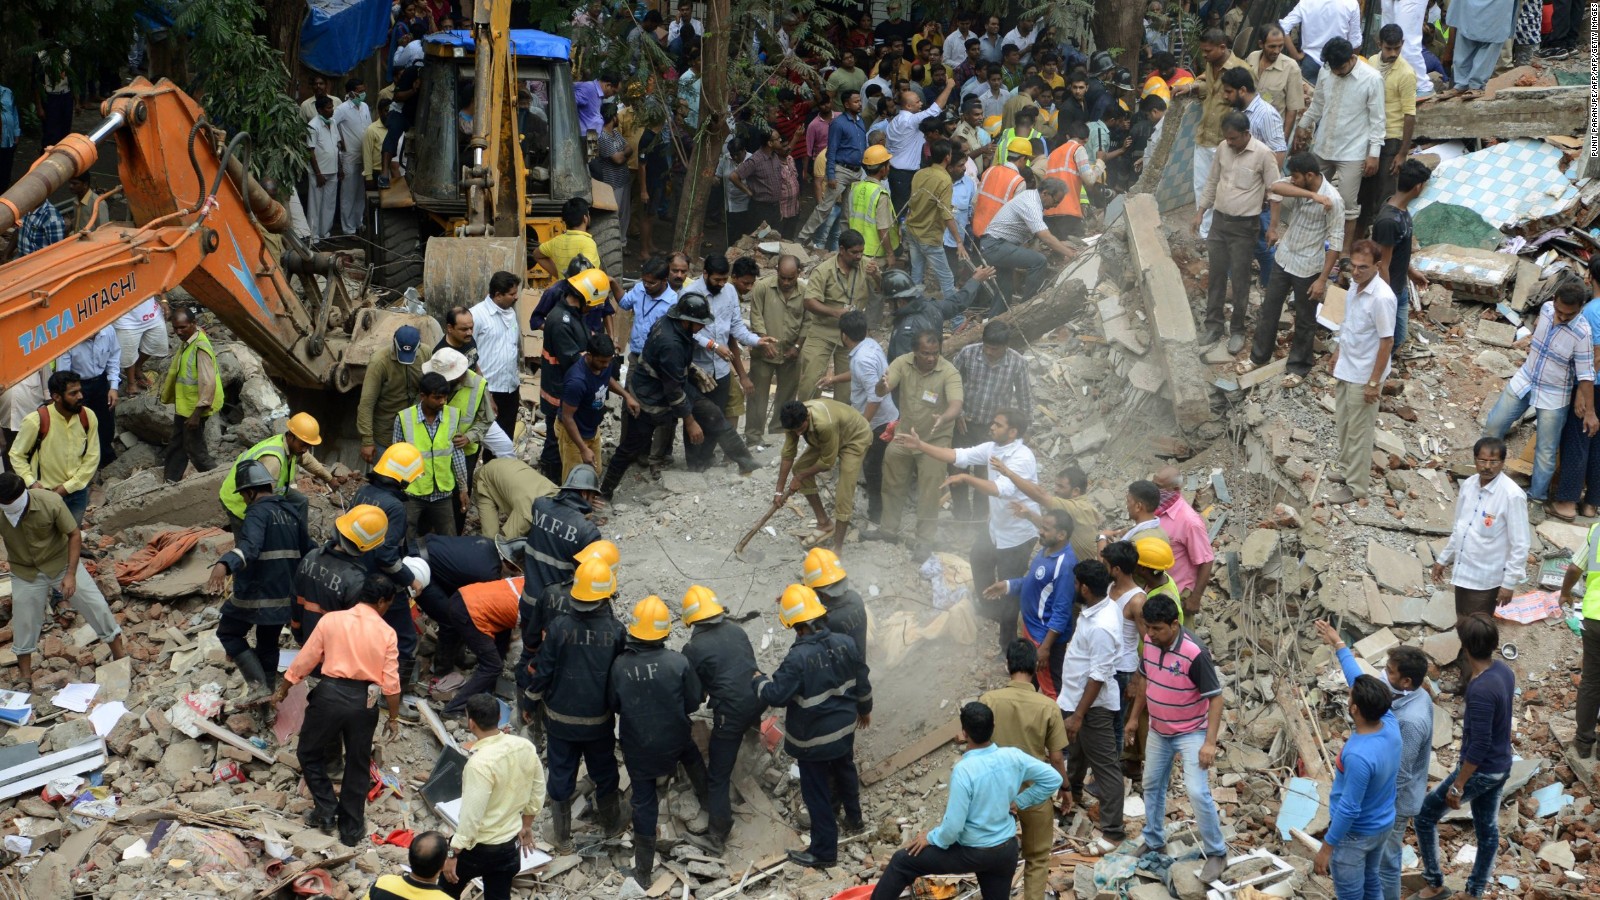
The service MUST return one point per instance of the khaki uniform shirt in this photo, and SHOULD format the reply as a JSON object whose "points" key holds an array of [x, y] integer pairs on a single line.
{"points": [[834, 427], [38, 542], [833, 287], [923, 397], [1026, 719], [930, 206], [388, 388], [507, 487], [1280, 84], [1213, 103], [1085, 525], [776, 314]]}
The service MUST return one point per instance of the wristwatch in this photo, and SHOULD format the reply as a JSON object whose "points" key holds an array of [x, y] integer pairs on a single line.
{"points": [[1372, 384]]}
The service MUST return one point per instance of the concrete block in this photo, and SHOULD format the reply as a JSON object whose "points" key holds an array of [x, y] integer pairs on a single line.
{"points": [[147, 500], [1443, 647], [114, 679], [1394, 569], [1440, 613], [1442, 724], [1376, 646], [1389, 442], [1564, 535], [1495, 334], [1259, 548], [1166, 304]]}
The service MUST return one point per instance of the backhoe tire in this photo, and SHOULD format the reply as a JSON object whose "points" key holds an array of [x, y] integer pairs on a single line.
{"points": [[606, 229], [399, 264]]}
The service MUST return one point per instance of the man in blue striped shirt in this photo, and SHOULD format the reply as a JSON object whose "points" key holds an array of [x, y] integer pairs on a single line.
{"points": [[977, 834]]}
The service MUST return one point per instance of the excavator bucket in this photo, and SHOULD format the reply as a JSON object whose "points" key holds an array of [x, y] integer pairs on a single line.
{"points": [[456, 270]]}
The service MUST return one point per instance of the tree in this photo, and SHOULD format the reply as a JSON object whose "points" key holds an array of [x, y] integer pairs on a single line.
{"points": [[1120, 27]]}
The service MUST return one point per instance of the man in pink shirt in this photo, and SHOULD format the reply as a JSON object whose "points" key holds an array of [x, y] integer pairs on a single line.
{"points": [[1191, 544], [816, 136]]}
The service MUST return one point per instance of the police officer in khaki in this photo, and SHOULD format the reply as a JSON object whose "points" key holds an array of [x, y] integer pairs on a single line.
{"points": [[835, 287]]}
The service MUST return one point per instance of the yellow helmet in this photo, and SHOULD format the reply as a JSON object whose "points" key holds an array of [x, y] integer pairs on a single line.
{"points": [[876, 155], [651, 620], [365, 526], [305, 427], [799, 604], [992, 125], [402, 462], [592, 285], [1154, 553], [1020, 146], [699, 604], [822, 568], [603, 550], [593, 582]]}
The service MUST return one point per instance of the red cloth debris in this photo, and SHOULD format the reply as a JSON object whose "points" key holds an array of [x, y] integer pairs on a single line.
{"points": [[313, 883], [161, 554], [400, 837]]}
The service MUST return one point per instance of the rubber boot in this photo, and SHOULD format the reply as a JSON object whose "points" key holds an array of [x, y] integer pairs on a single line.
{"points": [[715, 840], [644, 860], [612, 820], [408, 698], [258, 688], [561, 825], [610, 481], [733, 447]]}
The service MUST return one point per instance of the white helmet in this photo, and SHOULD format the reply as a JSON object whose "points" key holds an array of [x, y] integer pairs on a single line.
{"points": [[420, 570]]}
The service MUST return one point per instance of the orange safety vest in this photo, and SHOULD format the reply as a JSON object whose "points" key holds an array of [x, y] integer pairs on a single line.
{"points": [[493, 604], [999, 185], [1063, 164]]}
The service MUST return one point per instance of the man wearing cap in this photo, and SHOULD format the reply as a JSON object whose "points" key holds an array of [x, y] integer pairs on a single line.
{"points": [[469, 398], [905, 140], [1022, 130], [391, 383], [268, 544], [1004, 244], [499, 340], [506, 488], [281, 455], [870, 211], [566, 337], [721, 655], [834, 433], [330, 576]]}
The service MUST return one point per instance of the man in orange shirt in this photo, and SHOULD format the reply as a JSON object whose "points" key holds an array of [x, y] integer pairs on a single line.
{"points": [[360, 659], [482, 616]]}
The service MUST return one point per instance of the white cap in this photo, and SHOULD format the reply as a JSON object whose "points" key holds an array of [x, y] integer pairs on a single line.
{"points": [[447, 362], [420, 570]]}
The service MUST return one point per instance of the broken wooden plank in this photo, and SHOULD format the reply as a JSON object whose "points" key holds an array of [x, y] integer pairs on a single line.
{"points": [[764, 870], [228, 737], [1512, 112], [935, 739]]}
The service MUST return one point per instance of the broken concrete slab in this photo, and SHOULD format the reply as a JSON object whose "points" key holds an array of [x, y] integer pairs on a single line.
{"points": [[1558, 854], [114, 678], [1565, 535], [1442, 648], [1495, 363], [1376, 646], [1389, 442], [1510, 112], [1259, 548], [1394, 569], [147, 500], [1166, 302], [1495, 334], [1440, 613], [1443, 722]]}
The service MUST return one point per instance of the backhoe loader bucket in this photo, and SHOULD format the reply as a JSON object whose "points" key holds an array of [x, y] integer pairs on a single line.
{"points": [[456, 270]]}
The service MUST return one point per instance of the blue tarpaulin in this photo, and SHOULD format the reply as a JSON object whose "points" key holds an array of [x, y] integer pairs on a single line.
{"points": [[339, 34], [524, 42]]}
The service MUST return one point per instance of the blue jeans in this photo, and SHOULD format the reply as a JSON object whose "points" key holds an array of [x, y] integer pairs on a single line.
{"points": [[1402, 313], [1264, 253], [931, 256], [77, 503], [1309, 68], [1482, 793], [1548, 423], [1355, 866], [1159, 751], [1394, 847]]}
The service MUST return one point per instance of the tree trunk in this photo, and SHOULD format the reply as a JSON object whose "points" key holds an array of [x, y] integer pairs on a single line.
{"points": [[282, 29], [1120, 26], [702, 168]]}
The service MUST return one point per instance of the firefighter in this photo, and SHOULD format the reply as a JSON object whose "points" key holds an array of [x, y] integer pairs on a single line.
{"points": [[330, 576], [399, 465], [455, 561], [560, 529], [359, 660], [570, 679], [282, 455], [847, 615], [722, 657], [823, 686], [268, 545], [482, 616], [653, 692]]}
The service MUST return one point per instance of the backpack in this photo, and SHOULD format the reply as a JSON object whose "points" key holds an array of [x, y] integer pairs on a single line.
{"points": [[44, 431]]}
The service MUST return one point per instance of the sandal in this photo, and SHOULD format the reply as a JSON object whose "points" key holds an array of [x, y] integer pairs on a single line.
{"points": [[1551, 511], [1245, 367], [1291, 381], [1469, 96], [1588, 512], [817, 536], [1100, 847]]}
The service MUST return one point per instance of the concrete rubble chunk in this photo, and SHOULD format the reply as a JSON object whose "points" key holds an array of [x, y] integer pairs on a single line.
{"points": [[1559, 855], [1565, 535], [114, 679], [144, 499], [1259, 548], [1440, 613], [1443, 722], [1376, 646], [1394, 569], [1091, 438], [1495, 334], [1443, 647], [1166, 302], [1495, 363], [1389, 442]]}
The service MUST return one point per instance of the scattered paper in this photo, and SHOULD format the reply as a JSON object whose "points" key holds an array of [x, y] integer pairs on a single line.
{"points": [[106, 716], [286, 659], [1535, 606], [76, 697]]}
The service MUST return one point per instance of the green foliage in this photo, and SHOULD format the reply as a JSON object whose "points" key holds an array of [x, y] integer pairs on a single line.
{"points": [[94, 29], [242, 83]]}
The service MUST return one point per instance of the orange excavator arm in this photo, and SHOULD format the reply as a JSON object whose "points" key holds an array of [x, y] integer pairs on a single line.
{"points": [[201, 223]]}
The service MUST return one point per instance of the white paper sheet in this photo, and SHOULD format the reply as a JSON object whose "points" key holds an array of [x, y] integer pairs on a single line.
{"points": [[76, 697], [106, 716]]}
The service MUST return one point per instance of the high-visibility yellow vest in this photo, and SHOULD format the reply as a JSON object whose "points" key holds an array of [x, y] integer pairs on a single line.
{"points": [[438, 476], [183, 383], [466, 401], [272, 446], [1591, 578], [864, 196], [1002, 151]]}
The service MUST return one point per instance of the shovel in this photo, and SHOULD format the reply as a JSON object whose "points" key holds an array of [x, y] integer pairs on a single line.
{"points": [[755, 556]]}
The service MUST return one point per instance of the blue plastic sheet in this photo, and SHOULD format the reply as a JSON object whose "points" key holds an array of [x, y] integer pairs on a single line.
{"points": [[524, 42], [339, 34]]}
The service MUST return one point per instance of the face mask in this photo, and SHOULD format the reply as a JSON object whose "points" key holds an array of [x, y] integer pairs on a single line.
{"points": [[15, 508], [360, 97], [1167, 497]]}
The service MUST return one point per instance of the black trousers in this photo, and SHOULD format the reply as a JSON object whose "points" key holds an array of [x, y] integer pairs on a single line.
{"points": [[97, 397], [643, 772], [187, 445], [8, 158], [723, 750], [900, 187], [506, 404], [425, 517], [638, 433], [338, 712], [550, 455], [457, 629], [762, 211], [1302, 350], [872, 471], [496, 864], [994, 867], [598, 757], [989, 565], [817, 779], [1231, 247], [700, 456], [233, 633], [1563, 25], [1096, 749]]}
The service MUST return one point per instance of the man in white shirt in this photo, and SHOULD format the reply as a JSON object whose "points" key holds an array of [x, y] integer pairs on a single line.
{"points": [[143, 334], [1344, 126], [684, 21], [1022, 38], [499, 339], [1002, 551], [990, 42], [1004, 244], [868, 366], [322, 181], [1488, 548], [955, 45], [904, 139], [1320, 21], [351, 119], [1360, 364], [1089, 698], [1409, 15], [98, 362]]}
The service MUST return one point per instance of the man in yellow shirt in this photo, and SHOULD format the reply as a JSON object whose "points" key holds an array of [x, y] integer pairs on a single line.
{"points": [[372, 145], [502, 790], [66, 455], [558, 252], [1399, 118]]}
